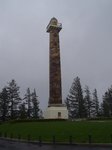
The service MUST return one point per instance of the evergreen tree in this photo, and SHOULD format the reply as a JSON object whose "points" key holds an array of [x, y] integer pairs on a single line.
{"points": [[22, 111], [28, 98], [110, 100], [41, 114], [101, 112], [88, 102], [4, 104], [95, 104], [75, 101], [72, 106], [14, 98], [107, 103], [35, 108]]}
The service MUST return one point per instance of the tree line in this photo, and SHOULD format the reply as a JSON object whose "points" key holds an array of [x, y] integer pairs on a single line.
{"points": [[81, 103], [12, 106]]}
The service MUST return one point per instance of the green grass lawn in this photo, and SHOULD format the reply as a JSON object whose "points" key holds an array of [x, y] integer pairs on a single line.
{"points": [[100, 131]]}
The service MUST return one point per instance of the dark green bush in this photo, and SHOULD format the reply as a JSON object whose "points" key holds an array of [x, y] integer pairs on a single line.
{"points": [[35, 120], [100, 118]]}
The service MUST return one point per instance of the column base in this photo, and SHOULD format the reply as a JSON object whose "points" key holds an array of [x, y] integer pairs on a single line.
{"points": [[56, 112]]}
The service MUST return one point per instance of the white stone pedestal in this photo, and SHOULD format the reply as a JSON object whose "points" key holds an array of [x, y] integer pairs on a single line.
{"points": [[56, 112]]}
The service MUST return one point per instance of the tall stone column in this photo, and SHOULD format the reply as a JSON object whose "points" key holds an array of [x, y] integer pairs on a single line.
{"points": [[55, 109], [55, 89]]}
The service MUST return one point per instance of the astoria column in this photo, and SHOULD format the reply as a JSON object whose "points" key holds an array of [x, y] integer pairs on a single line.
{"points": [[55, 109], [55, 89]]}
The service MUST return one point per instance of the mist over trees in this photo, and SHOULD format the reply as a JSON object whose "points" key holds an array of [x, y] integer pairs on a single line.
{"points": [[82, 103], [13, 106]]}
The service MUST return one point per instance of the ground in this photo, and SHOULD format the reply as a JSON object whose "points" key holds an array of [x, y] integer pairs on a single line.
{"points": [[80, 131]]}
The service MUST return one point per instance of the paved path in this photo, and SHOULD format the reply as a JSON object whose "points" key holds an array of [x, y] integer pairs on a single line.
{"points": [[9, 145]]}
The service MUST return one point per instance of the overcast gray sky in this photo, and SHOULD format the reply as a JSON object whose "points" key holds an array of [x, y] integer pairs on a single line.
{"points": [[85, 41]]}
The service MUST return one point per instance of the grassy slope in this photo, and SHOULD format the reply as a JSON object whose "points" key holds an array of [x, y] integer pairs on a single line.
{"points": [[100, 131]]}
